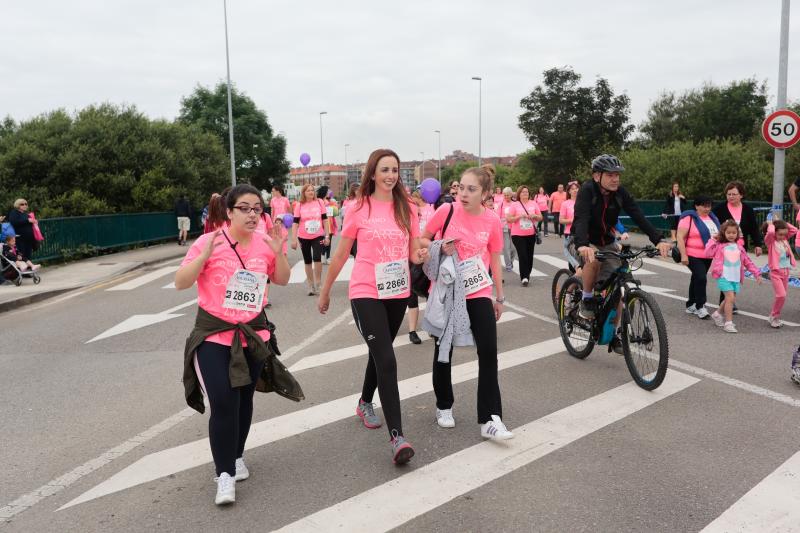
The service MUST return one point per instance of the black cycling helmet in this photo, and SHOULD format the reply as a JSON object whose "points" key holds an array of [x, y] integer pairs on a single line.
{"points": [[607, 163]]}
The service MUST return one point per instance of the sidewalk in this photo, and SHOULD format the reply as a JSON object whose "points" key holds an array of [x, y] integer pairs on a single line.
{"points": [[59, 279]]}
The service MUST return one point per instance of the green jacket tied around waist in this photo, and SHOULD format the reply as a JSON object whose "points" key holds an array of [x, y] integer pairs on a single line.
{"points": [[274, 376]]}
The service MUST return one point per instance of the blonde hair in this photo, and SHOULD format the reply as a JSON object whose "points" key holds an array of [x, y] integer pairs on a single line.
{"points": [[18, 202], [485, 174]]}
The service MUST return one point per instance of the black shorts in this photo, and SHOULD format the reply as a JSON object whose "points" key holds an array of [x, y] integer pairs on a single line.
{"points": [[312, 249]]}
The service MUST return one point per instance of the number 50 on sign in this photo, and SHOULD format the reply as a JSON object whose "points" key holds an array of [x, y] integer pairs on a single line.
{"points": [[781, 129]]}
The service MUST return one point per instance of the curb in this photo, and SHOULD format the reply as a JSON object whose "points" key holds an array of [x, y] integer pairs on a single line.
{"points": [[45, 295]]}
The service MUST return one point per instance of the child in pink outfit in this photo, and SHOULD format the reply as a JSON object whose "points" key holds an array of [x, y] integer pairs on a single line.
{"points": [[781, 260], [729, 261]]}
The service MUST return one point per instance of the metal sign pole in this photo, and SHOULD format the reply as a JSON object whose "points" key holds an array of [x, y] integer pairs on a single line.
{"points": [[780, 153], [230, 107]]}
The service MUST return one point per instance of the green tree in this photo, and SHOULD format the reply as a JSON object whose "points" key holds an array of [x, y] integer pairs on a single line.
{"points": [[734, 111], [260, 155], [568, 124], [700, 168]]}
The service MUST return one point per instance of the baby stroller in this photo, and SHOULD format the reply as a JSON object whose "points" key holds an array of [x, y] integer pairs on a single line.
{"points": [[14, 274]]}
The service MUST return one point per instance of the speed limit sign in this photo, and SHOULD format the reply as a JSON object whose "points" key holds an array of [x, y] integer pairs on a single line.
{"points": [[781, 129]]}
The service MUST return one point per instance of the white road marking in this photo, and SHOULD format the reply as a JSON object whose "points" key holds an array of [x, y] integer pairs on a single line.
{"points": [[298, 274], [57, 485], [135, 283], [437, 483], [421, 308], [562, 263], [321, 332], [669, 264], [170, 285], [665, 292], [358, 350], [197, 453], [772, 505], [140, 321], [534, 273]]}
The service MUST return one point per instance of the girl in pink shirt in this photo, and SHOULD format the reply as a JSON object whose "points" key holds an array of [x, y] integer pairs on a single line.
{"points": [[477, 236], [523, 217], [231, 266], [312, 229], [566, 216], [542, 199], [384, 222], [279, 206], [780, 260]]}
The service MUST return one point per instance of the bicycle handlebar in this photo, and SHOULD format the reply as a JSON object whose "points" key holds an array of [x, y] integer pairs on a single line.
{"points": [[628, 253]]}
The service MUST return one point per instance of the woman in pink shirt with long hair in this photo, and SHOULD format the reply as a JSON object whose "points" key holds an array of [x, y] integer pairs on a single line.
{"points": [[542, 199], [384, 221], [313, 231], [523, 217], [476, 234]]}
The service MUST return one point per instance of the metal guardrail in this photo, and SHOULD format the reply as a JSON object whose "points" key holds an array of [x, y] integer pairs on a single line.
{"points": [[652, 210], [65, 236]]}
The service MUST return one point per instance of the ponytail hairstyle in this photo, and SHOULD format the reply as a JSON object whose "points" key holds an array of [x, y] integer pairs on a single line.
{"points": [[400, 198], [485, 174], [730, 223], [217, 212]]}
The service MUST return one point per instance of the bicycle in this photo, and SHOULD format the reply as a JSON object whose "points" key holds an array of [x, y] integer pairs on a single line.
{"points": [[558, 280], [643, 331]]}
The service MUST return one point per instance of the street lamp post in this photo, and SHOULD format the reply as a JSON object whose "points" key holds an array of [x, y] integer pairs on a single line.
{"points": [[422, 168], [439, 160], [321, 153], [346, 170], [480, 96], [230, 106], [779, 165]]}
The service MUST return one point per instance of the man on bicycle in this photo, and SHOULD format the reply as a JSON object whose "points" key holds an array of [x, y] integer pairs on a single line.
{"points": [[597, 209]]}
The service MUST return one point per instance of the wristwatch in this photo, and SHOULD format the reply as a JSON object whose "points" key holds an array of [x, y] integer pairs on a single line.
{"points": [[500, 300]]}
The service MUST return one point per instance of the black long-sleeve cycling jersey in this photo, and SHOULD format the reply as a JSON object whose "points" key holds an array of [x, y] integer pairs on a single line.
{"points": [[596, 214]]}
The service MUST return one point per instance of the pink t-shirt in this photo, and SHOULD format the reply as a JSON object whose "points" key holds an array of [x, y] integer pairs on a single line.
{"points": [[497, 198], [310, 214], [503, 209], [425, 214], [567, 213], [518, 210], [477, 235], [279, 206], [736, 213], [558, 198], [380, 240], [264, 224], [216, 272], [797, 238], [694, 241], [541, 200]]}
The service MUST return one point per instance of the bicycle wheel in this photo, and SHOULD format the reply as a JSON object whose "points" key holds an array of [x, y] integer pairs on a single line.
{"points": [[575, 332], [644, 340], [558, 281]]}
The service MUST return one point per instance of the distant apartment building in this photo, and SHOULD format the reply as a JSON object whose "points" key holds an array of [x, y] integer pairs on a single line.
{"points": [[334, 176]]}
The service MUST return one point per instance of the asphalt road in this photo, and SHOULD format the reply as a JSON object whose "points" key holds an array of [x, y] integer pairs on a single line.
{"points": [[94, 421]]}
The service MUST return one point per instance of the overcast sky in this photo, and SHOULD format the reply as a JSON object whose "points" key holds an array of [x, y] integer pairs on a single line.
{"points": [[387, 73]]}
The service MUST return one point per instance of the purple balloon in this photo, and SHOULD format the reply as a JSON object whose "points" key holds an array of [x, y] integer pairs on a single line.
{"points": [[330, 194], [288, 220], [305, 159], [430, 190]]}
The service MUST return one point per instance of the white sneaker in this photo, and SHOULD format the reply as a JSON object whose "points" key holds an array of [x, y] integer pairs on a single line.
{"points": [[242, 472], [226, 489], [730, 327], [495, 429], [525, 282], [775, 322], [444, 417], [719, 320], [691, 310], [703, 313]]}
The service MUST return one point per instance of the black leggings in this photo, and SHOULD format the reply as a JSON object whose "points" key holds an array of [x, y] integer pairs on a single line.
{"points": [[524, 245], [484, 330], [309, 247], [697, 284], [231, 408], [378, 322]]}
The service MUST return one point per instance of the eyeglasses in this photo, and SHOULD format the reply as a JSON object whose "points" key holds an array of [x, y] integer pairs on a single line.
{"points": [[23, 203], [245, 209]]}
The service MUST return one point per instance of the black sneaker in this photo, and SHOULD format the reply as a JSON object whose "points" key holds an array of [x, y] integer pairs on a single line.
{"points": [[587, 309], [616, 345], [414, 337]]}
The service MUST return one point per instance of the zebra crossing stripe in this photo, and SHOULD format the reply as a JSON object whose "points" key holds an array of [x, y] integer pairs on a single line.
{"points": [[437, 483], [137, 282], [197, 453], [349, 352], [772, 505]]}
